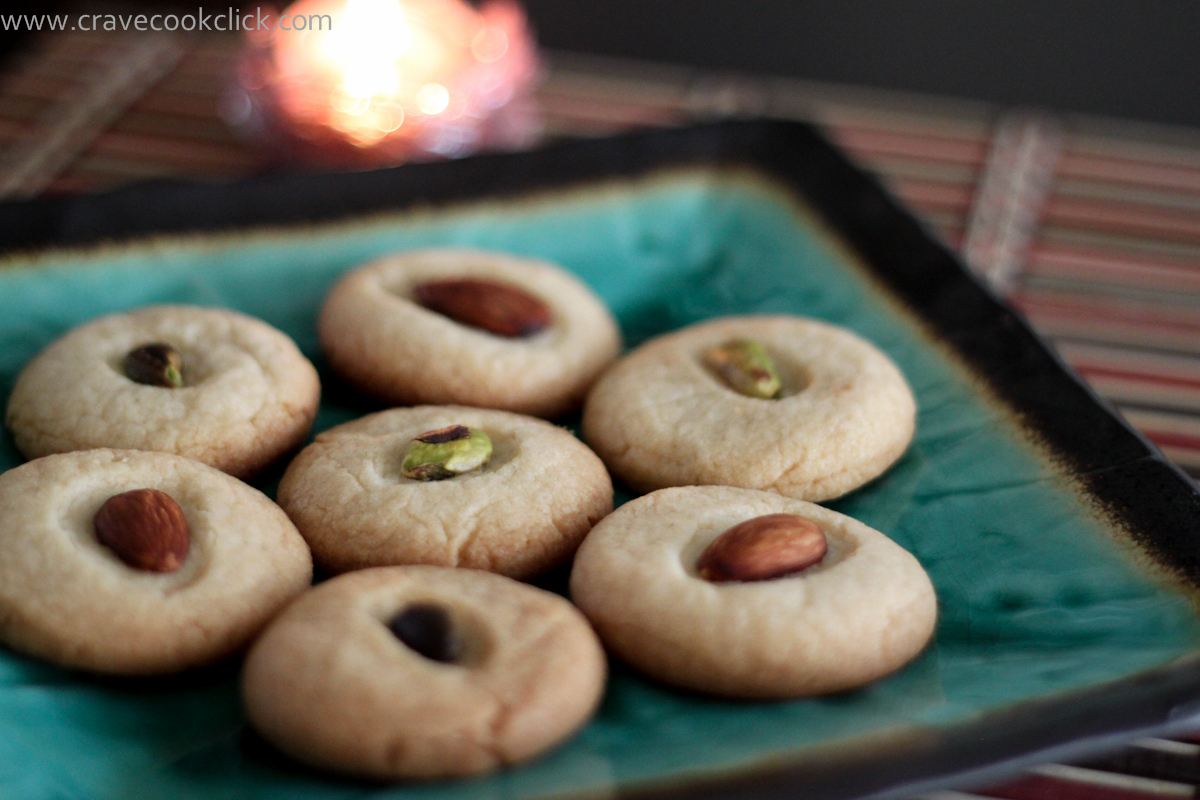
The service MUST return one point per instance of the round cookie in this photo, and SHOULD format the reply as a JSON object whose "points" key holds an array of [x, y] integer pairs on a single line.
{"points": [[68, 598], [248, 395], [863, 611], [387, 344], [660, 417], [329, 684], [523, 512]]}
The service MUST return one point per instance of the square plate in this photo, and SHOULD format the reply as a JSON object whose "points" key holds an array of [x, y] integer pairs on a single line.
{"points": [[1065, 551]]}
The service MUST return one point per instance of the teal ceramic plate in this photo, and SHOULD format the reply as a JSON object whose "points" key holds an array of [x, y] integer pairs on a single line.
{"points": [[1062, 548]]}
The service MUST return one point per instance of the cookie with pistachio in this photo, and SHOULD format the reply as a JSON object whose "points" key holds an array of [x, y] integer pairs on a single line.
{"points": [[785, 404], [206, 383], [448, 486]]}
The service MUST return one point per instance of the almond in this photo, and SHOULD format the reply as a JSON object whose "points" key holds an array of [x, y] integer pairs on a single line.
{"points": [[494, 307], [762, 548], [145, 528]]}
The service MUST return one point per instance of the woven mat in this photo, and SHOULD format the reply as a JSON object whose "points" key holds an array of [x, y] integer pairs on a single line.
{"points": [[1090, 227]]}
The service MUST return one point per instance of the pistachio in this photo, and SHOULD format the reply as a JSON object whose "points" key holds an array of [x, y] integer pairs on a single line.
{"points": [[428, 629], [746, 367], [762, 548], [497, 308], [156, 365], [446, 452], [145, 528]]}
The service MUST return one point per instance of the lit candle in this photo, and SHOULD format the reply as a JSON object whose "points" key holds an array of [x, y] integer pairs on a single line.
{"points": [[379, 81]]}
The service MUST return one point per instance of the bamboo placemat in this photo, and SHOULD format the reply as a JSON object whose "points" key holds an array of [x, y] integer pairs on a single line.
{"points": [[1090, 227]]}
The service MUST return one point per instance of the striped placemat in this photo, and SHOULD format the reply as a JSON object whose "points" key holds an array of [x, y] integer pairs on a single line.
{"points": [[1090, 227]]}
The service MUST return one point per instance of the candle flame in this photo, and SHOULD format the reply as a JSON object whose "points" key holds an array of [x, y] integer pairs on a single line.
{"points": [[367, 42], [389, 69]]}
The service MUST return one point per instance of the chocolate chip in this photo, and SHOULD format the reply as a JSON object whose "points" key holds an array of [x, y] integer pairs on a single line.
{"points": [[427, 629]]}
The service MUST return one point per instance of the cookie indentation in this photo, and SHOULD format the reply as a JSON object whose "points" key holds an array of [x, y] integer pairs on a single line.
{"points": [[795, 376], [428, 629]]}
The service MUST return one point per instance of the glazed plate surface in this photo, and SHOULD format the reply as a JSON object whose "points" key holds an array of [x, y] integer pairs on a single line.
{"points": [[1063, 549]]}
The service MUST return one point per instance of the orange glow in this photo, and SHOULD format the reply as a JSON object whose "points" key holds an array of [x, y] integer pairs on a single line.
{"points": [[394, 74]]}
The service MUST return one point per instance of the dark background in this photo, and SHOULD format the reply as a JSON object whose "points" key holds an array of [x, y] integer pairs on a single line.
{"points": [[1137, 59], [1127, 58]]}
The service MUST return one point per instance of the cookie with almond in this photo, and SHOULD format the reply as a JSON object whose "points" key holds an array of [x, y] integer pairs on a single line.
{"points": [[468, 327], [749, 594], [138, 563]]}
